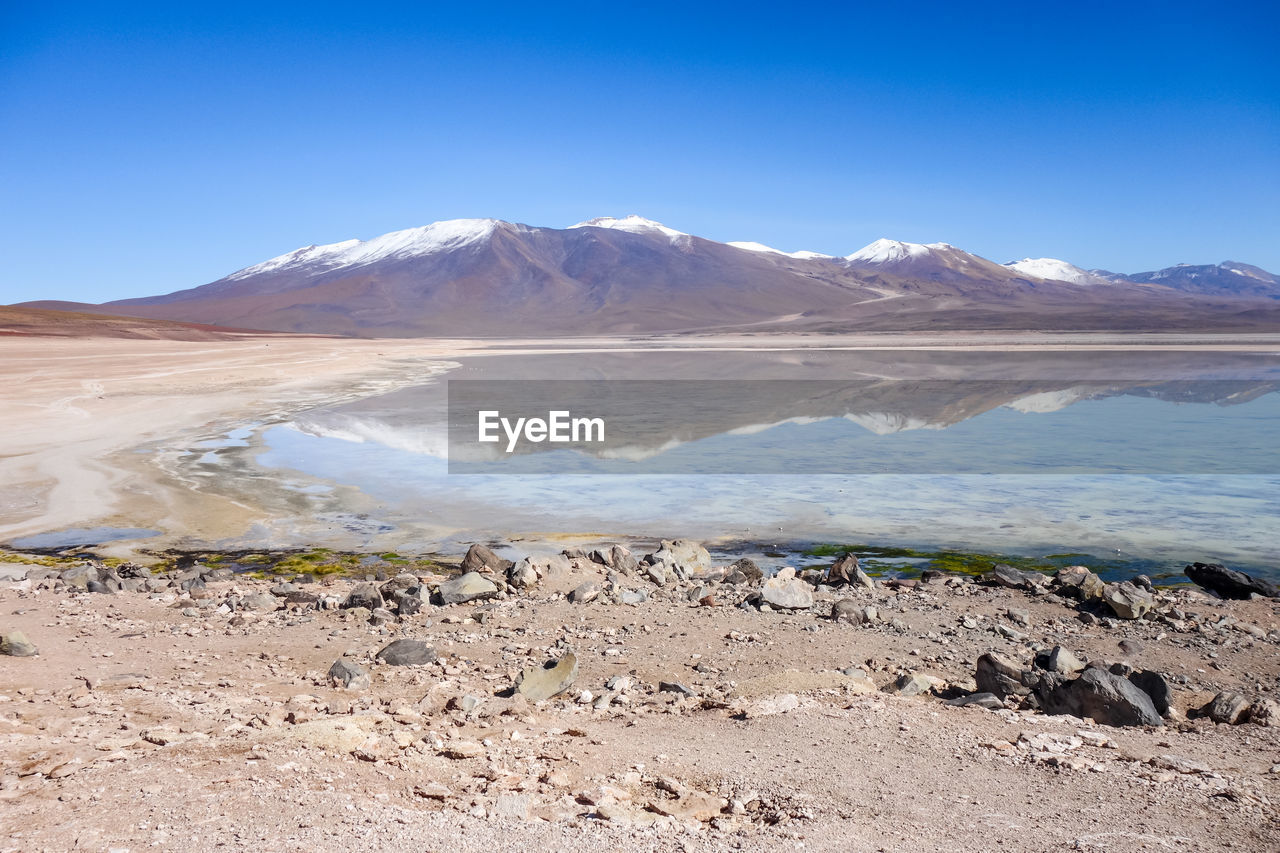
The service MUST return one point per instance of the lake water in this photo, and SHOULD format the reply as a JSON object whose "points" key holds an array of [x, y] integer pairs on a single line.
{"points": [[1144, 460]]}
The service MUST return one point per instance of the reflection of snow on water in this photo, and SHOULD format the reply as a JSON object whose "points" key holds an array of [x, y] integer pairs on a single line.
{"points": [[1055, 468]]}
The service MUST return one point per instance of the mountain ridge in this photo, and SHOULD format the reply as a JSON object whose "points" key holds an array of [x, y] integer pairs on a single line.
{"points": [[633, 275]]}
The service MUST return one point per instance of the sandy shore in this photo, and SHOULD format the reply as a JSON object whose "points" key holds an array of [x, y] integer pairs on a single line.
{"points": [[206, 719]]}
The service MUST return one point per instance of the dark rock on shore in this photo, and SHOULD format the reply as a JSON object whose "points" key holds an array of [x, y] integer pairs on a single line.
{"points": [[1227, 707], [999, 676], [990, 701], [1005, 575], [1229, 583], [364, 595], [1101, 696], [743, 570], [347, 673], [847, 570], [407, 653], [481, 558]]}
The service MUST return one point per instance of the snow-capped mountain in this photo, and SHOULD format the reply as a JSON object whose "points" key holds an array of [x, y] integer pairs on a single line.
{"points": [[1053, 269], [885, 252], [634, 224], [634, 275]]}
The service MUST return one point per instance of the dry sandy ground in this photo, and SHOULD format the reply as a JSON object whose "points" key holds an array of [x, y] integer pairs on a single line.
{"points": [[149, 722], [73, 411]]}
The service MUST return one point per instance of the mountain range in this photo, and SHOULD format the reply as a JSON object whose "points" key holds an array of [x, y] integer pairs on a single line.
{"points": [[487, 277]]}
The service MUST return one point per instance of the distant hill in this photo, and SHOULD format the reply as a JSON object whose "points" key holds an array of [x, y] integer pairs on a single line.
{"points": [[18, 321]]}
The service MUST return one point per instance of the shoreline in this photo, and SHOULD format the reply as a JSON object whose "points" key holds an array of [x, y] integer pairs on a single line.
{"points": [[696, 716]]}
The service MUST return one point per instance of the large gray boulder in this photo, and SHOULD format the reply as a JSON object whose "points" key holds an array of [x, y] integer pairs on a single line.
{"points": [[1128, 601], [1102, 696], [787, 592], [469, 587], [1229, 583]]}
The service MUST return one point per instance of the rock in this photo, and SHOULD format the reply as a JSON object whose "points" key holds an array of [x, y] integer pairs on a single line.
{"points": [[80, 576], [364, 595], [584, 593], [1005, 575], [398, 585], [622, 560], [349, 674], [633, 596], [1079, 582], [1228, 707], [523, 575], [745, 567], [656, 573], [914, 684], [1101, 696], [16, 645], [512, 806], [1130, 647], [848, 610], [771, 705], [461, 749], [409, 603], [1154, 685], [1229, 583], [480, 558], [1128, 601], [551, 679], [680, 558], [847, 570], [407, 653], [990, 701], [259, 601], [996, 674], [468, 587], [675, 687], [784, 590], [1265, 712], [1059, 660], [466, 703]]}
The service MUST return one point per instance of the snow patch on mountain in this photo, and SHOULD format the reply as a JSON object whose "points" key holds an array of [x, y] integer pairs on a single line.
{"points": [[1053, 269], [634, 224], [409, 243], [749, 246]]}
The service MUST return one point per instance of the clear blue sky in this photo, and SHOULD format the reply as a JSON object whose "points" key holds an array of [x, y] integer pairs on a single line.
{"points": [[147, 148]]}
